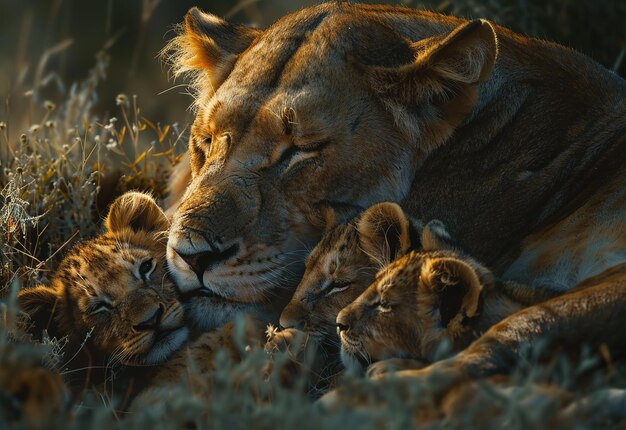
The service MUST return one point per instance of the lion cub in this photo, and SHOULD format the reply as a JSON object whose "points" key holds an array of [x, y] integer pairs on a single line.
{"points": [[417, 302], [111, 296], [113, 301], [339, 269]]}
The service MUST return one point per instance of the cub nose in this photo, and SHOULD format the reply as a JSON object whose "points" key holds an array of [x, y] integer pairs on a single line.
{"points": [[291, 323], [343, 321], [202, 261], [152, 320], [291, 317]]}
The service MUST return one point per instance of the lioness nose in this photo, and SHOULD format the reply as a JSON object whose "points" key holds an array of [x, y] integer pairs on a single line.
{"points": [[202, 261], [151, 321]]}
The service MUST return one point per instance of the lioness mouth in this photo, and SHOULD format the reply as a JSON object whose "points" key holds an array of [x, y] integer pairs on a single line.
{"points": [[166, 343]]}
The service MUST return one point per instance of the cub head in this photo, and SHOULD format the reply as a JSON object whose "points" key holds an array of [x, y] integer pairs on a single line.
{"points": [[330, 107], [344, 263], [413, 304], [113, 291]]}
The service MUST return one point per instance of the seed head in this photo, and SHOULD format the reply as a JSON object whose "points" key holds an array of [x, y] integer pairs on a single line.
{"points": [[121, 99]]}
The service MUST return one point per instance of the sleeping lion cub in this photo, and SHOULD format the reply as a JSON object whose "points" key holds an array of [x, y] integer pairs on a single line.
{"points": [[112, 299], [339, 269]]}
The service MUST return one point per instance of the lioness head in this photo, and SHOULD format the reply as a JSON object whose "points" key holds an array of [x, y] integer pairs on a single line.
{"points": [[331, 107], [113, 291], [412, 305], [344, 263]]}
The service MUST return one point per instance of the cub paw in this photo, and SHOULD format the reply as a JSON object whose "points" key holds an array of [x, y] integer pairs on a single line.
{"points": [[382, 369], [290, 340]]}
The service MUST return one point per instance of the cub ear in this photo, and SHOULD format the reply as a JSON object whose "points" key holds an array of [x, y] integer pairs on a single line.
{"points": [[39, 303], [457, 286], [207, 48], [444, 75], [137, 211], [385, 232], [435, 237]]}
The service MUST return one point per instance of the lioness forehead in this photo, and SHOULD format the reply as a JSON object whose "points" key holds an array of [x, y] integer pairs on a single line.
{"points": [[301, 59]]}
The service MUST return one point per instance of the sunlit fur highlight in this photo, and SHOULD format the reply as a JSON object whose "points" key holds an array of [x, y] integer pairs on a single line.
{"points": [[419, 301], [98, 295]]}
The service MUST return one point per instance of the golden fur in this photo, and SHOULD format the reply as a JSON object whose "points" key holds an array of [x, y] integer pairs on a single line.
{"points": [[112, 292], [416, 303], [516, 144], [510, 141]]}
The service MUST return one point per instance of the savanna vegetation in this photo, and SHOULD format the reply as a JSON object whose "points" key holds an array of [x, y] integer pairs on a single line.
{"points": [[88, 113]]}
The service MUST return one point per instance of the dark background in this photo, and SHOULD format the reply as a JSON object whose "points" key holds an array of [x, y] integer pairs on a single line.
{"points": [[49, 44]]}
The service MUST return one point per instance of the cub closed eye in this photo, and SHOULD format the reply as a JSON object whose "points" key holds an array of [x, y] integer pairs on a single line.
{"points": [[146, 268], [100, 307], [381, 305], [384, 306], [336, 287]]}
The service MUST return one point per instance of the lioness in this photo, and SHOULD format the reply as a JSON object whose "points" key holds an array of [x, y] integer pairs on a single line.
{"points": [[514, 143]]}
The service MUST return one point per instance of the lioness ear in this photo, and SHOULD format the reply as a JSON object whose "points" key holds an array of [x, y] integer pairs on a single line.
{"points": [[138, 211], [444, 76], [458, 288], [207, 47], [385, 232], [39, 303]]}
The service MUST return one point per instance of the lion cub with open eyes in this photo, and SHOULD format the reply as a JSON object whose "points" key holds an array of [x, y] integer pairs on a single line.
{"points": [[339, 269], [420, 300]]}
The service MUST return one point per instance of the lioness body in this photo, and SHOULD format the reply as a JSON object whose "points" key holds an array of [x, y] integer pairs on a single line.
{"points": [[514, 143], [508, 149]]}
